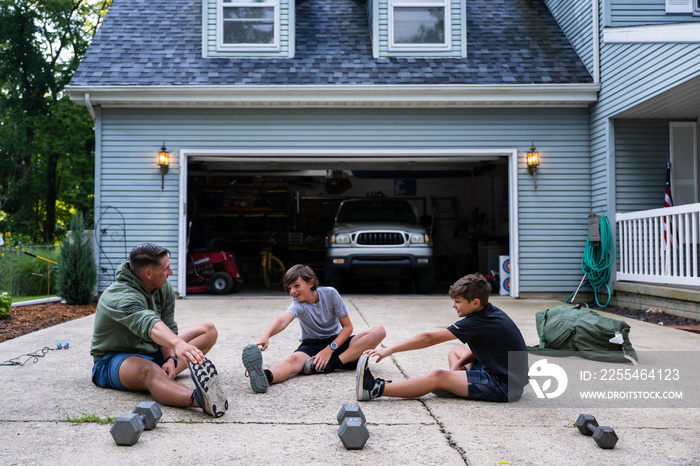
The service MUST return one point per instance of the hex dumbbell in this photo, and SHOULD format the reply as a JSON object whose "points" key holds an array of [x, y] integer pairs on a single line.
{"points": [[604, 436], [352, 431], [127, 428]]}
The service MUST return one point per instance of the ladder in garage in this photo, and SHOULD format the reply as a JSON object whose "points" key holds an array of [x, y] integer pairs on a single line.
{"points": [[445, 213]]}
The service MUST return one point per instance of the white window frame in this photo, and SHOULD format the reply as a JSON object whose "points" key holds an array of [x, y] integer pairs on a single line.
{"points": [[420, 47], [680, 6], [221, 4]]}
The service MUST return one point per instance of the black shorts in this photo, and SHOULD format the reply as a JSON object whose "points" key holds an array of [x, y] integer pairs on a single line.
{"points": [[312, 347]]}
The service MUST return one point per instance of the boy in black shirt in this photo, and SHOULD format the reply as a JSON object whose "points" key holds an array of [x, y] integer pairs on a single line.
{"points": [[480, 372]]}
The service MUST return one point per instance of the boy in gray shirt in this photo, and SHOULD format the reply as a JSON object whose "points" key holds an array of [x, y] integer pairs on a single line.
{"points": [[326, 338]]}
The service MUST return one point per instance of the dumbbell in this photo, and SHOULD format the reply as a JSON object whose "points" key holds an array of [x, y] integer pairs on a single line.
{"points": [[127, 428], [604, 436], [352, 432]]}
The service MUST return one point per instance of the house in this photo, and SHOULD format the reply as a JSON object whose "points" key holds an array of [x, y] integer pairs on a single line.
{"points": [[273, 111]]}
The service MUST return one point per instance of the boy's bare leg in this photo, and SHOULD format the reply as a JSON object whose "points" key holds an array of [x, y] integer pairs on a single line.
{"points": [[364, 340], [457, 355], [452, 381], [291, 365]]}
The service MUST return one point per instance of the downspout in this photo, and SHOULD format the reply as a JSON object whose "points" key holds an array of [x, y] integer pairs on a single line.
{"points": [[596, 43], [91, 110]]}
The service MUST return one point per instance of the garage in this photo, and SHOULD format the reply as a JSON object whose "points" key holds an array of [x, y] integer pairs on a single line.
{"points": [[245, 202]]}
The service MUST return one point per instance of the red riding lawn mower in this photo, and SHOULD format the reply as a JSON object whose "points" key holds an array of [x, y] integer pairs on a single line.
{"points": [[214, 272]]}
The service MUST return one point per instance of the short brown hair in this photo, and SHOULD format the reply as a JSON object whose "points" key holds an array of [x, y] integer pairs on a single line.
{"points": [[471, 287], [300, 271], [144, 256]]}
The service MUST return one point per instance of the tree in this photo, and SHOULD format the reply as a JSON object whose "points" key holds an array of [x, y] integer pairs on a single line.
{"points": [[77, 274], [46, 142]]}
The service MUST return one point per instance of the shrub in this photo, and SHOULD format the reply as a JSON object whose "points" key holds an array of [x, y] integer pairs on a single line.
{"points": [[28, 274], [5, 305], [77, 274]]}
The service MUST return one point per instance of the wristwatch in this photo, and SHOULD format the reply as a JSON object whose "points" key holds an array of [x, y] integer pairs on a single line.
{"points": [[334, 345]]}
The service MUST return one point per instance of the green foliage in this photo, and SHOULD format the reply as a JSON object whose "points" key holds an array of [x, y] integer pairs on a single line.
{"points": [[46, 142], [83, 418], [78, 272], [5, 305], [24, 275]]}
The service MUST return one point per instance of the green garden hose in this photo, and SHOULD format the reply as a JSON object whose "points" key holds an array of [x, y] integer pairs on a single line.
{"points": [[597, 259]]}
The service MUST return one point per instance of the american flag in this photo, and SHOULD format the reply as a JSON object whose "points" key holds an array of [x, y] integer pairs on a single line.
{"points": [[668, 202]]}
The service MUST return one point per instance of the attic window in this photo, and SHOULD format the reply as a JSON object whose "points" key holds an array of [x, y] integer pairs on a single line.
{"points": [[248, 23], [419, 24]]}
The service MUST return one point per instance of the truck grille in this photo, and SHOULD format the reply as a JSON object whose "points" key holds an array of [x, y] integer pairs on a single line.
{"points": [[381, 238]]}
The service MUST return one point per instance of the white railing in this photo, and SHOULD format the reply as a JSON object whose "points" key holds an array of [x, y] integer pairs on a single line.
{"points": [[643, 253]]}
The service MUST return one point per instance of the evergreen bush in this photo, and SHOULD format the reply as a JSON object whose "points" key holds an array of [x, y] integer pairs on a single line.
{"points": [[77, 274]]}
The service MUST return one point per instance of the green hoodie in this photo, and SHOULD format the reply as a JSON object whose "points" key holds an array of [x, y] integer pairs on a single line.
{"points": [[126, 313]]}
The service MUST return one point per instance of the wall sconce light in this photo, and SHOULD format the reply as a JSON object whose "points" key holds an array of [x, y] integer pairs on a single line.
{"points": [[533, 161], [164, 164]]}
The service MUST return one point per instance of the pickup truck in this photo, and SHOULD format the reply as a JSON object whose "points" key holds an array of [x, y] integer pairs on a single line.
{"points": [[379, 238]]}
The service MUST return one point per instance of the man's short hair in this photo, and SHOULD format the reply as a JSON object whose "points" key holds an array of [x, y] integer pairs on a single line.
{"points": [[144, 256], [471, 287], [304, 272]]}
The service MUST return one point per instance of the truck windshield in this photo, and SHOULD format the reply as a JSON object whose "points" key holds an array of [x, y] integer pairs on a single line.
{"points": [[376, 211]]}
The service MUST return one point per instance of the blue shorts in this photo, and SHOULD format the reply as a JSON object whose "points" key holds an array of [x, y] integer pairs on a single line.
{"points": [[312, 347], [485, 386], [105, 371]]}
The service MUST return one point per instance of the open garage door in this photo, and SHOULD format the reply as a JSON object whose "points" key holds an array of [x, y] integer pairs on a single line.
{"points": [[239, 200]]}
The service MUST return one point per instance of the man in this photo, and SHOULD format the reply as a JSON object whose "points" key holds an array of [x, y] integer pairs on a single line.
{"points": [[136, 343]]}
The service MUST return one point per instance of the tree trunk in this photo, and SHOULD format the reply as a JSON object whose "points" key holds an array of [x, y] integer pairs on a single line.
{"points": [[51, 195]]}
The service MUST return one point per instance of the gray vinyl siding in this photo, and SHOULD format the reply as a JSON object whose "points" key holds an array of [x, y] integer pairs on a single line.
{"points": [[286, 34], [552, 219], [641, 153], [652, 69], [575, 17], [381, 40], [644, 12]]}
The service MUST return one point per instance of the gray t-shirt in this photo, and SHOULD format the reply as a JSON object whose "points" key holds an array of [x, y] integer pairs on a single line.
{"points": [[320, 320]]}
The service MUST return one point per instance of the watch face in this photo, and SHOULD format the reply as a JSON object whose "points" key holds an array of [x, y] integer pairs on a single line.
{"points": [[334, 346]]}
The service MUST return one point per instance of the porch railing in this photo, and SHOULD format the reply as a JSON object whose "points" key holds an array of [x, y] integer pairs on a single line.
{"points": [[659, 245]]}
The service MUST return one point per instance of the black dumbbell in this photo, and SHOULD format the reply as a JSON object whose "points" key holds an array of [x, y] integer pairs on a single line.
{"points": [[127, 428], [604, 436], [352, 432]]}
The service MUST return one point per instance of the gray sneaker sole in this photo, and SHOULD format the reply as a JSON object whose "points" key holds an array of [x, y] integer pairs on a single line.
{"points": [[205, 377], [252, 360], [360, 377]]}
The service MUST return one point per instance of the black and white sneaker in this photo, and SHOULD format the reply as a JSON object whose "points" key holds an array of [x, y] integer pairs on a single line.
{"points": [[208, 393], [252, 360], [366, 386], [310, 367]]}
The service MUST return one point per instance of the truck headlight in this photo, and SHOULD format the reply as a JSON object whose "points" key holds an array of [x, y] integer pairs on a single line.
{"points": [[418, 238], [342, 238]]}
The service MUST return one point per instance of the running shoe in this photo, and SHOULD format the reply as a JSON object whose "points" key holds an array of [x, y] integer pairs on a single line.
{"points": [[252, 360]]}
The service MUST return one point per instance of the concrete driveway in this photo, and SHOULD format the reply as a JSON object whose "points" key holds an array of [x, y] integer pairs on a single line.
{"points": [[294, 422]]}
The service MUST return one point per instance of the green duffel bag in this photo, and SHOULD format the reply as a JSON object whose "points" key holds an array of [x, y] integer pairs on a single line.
{"points": [[574, 331]]}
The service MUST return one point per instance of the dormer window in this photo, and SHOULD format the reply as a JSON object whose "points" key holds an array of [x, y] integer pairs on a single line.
{"points": [[248, 24], [419, 24]]}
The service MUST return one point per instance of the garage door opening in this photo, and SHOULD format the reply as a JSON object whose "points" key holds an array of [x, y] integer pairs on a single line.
{"points": [[247, 203]]}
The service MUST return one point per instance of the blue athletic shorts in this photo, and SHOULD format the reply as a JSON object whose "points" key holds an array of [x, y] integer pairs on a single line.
{"points": [[485, 386], [312, 347], [105, 371]]}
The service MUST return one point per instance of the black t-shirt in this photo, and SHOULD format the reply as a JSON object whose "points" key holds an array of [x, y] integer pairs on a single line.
{"points": [[491, 334]]}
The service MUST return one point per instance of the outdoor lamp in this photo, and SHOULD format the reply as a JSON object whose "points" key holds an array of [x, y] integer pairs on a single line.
{"points": [[533, 161], [164, 164]]}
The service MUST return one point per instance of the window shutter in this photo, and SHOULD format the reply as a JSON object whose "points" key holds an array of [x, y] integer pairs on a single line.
{"points": [[679, 6], [684, 170]]}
